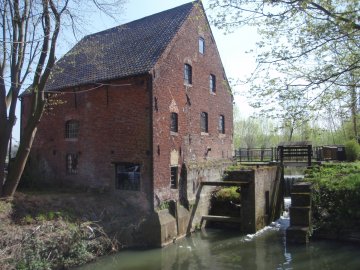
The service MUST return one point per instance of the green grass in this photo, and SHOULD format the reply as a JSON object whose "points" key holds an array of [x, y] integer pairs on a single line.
{"points": [[335, 176]]}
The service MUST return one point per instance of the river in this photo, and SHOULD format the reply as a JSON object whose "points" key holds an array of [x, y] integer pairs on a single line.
{"points": [[220, 249]]}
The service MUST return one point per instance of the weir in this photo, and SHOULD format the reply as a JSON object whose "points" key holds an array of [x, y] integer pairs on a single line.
{"points": [[261, 189]]}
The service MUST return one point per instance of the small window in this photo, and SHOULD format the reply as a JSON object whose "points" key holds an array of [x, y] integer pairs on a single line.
{"points": [[204, 122], [173, 177], [127, 176], [174, 122], [201, 45], [212, 80], [187, 74], [71, 129], [222, 124], [71, 163]]}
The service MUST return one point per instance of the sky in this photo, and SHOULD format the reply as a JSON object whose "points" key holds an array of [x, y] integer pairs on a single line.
{"points": [[232, 47]]}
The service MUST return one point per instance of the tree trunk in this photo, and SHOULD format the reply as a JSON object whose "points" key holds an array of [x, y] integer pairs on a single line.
{"points": [[4, 143], [354, 110], [26, 141]]}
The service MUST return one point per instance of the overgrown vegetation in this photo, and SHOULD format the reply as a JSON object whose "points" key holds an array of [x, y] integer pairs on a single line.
{"points": [[49, 241], [352, 149], [59, 231], [335, 199], [226, 202]]}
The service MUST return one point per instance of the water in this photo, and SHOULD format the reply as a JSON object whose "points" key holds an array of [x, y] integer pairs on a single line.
{"points": [[219, 249]]}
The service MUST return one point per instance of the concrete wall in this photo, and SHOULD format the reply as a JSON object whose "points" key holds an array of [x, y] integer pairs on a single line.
{"points": [[258, 196]]}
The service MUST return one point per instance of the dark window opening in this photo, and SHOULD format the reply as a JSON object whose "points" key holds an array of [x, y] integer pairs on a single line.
{"points": [[71, 163], [222, 124], [201, 45], [212, 81], [187, 74], [174, 122], [173, 177], [204, 122], [71, 129], [127, 176]]}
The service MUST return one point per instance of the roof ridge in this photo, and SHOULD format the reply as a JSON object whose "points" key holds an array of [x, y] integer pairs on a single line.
{"points": [[192, 3], [121, 51]]}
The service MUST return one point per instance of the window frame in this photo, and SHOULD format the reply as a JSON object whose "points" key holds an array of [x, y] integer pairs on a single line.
{"points": [[221, 126], [72, 163], [174, 177], [174, 122], [123, 168], [187, 74], [201, 45], [72, 129], [204, 122], [212, 83]]}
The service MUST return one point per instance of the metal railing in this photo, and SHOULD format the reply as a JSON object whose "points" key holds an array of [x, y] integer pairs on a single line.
{"points": [[256, 154]]}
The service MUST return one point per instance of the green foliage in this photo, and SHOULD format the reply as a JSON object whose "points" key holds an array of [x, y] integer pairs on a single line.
{"points": [[228, 194], [352, 150], [164, 205], [335, 197], [307, 58]]}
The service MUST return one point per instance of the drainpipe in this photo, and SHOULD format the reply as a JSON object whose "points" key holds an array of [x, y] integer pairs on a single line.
{"points": [[151, 134]]}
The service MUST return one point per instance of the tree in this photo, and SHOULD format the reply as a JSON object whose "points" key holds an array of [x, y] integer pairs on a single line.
{"points": [[309, 45], [29, 36]]}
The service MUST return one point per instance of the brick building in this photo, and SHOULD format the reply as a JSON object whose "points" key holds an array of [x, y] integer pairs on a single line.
{"points": [[144, 107]]}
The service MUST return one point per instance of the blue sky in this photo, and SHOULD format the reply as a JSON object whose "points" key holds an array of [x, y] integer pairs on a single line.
{"points": [[232, 47]]}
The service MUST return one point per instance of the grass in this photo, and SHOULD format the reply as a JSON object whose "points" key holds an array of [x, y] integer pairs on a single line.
{"points": [[336, 176]]}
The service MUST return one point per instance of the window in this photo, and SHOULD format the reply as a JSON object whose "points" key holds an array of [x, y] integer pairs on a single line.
{"points": [[222, 124], [201, 45], [204, 122], [71, 129], [187, 74], [212, 80], [127, 176], [71, 163], [173, 176], [174, 122]]}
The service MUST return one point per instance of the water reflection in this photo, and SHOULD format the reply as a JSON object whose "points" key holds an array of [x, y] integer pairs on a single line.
{"points": [[217, 249]]}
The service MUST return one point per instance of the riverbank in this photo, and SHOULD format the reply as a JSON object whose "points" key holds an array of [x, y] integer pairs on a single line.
{"points": [[60, 230], [335, 201]]}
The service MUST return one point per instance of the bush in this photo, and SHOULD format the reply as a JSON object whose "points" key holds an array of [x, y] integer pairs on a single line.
{"points": [[352, 150], [335, 198]]}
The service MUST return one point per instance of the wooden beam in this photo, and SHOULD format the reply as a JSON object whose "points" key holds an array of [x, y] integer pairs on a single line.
{"points": [[220, 219], [224, 183]]}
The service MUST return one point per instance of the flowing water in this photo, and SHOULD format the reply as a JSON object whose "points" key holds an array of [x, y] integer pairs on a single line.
{"points": [[219, 249]]}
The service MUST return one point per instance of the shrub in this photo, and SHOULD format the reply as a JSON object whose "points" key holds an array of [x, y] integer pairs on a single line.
{"points": [[352, 150], [335, 198]]}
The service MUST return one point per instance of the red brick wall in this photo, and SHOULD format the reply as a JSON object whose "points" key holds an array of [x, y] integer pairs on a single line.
{"points": [[171, 94], [114, 127]]}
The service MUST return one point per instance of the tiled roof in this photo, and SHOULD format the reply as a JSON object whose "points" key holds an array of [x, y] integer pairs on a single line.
{"points": [[125, 50]]}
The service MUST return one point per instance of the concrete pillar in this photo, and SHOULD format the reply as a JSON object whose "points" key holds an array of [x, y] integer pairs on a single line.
{"points": [[300, 214]]}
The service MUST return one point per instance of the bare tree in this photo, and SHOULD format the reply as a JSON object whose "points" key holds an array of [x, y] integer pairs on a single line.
{"points": [[29, 37]]}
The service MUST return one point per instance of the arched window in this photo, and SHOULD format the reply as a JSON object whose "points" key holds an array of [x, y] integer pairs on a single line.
{"points": [[204, 122], [187, 74], [212, 81], [174, 122], [201, 45], [222, 124], [71, 129]]}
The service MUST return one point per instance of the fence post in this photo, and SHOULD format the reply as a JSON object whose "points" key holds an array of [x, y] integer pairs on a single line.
{"points": [[309, 154]]}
